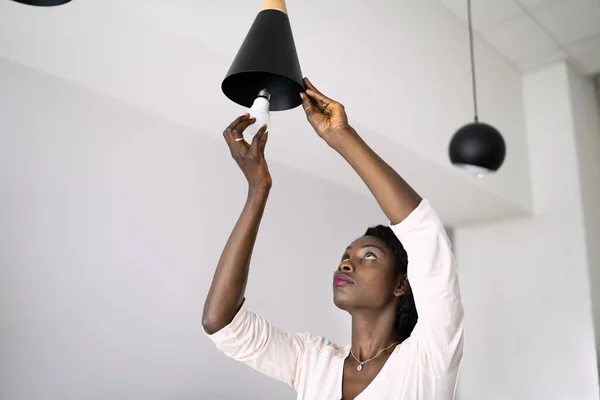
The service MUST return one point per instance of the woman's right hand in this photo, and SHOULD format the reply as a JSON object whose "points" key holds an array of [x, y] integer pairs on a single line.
{"points": [[249, 157]]}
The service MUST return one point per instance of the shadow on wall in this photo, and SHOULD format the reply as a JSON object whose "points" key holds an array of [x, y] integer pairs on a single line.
{"points": [[598, 89], [450, 233]]}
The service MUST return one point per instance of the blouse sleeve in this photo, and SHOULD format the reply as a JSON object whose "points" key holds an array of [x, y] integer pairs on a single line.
{"points": [[434, 282], [254, 341]]}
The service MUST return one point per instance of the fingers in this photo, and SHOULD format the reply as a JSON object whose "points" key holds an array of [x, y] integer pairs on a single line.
{"points": [[238, 127], [237, 136], [309, 107], [257, 141], [238, 130], [235, 146], [235, 139], [263, 143], [237, 121], [322, 100], [234, 134], [310, 86]]}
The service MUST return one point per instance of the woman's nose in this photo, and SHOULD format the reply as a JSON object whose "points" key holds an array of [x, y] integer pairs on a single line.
{"points": [[346, 266]]}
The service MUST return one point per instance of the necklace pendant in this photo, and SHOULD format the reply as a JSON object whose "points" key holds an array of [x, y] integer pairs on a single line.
{"points": [[360, 367]]}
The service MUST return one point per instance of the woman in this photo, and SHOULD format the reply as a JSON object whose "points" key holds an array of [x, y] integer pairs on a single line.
{"points": [[392, 356]]}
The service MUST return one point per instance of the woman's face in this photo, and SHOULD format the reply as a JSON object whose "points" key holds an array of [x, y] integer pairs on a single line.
{"points": [[366, 277]]}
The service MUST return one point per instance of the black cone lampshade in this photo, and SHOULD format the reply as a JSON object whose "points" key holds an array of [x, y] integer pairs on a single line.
{"points": [[43, 3], [478, 147], [267, 60]]}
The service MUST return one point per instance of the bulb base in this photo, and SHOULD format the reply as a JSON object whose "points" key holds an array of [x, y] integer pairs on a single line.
{"points": [[265, 94]]}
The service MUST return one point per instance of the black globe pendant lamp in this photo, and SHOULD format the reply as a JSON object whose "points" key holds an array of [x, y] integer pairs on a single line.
{"points": [[43, 3], [477, 147]]}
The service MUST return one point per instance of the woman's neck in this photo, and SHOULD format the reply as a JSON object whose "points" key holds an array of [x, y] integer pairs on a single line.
{"points": [[372, 331]]}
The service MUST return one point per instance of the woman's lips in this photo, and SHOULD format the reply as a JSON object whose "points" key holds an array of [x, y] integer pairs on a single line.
{"points": [[342, 280]]}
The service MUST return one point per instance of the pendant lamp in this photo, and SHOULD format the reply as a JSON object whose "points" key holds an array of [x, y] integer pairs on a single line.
{"points": [[265, 74], [43, 3], [477, 147]]}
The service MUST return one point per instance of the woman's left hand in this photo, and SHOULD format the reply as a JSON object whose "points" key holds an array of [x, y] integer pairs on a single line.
{"points": [[327, 117]]}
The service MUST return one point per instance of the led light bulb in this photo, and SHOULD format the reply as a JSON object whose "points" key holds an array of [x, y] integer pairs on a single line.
{"points": [[474, 170], [260, 111]]}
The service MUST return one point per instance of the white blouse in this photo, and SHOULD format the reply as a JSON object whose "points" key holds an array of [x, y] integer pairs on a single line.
{"points": [[423, 367]]}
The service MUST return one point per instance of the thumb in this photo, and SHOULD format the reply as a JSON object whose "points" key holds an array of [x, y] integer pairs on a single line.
{"points": [[263, 142], [309, 108], [255, 146]]}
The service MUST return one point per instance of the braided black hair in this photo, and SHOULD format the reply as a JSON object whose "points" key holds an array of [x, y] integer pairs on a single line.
{"points": [[406, 312]]}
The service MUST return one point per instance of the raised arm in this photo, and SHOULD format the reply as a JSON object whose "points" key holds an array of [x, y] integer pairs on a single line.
{"points": [[395, 197], [226, 293], [431, 265], [236, 331]]}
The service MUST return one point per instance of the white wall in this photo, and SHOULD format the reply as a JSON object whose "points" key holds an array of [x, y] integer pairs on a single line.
{"points": [[112, 221], [525, 282], [586, 117], [401, 68]]}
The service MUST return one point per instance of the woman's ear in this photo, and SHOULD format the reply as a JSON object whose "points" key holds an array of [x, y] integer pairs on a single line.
{"points": [[401, 287]]}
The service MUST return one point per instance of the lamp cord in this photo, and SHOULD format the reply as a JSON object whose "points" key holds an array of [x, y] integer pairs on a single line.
{"points": [[472, 49]]}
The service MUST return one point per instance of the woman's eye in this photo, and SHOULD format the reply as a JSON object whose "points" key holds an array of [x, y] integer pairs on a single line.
{"points": [[345, 258], [370, 256]]}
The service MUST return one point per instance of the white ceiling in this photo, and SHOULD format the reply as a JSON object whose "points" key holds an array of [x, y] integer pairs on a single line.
{"points": [[532, 33], [406, 86]]}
